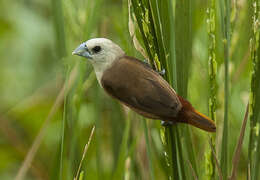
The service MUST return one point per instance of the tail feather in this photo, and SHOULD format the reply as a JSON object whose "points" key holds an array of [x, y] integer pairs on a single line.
{"points": [[189, 115], [199, 120]]}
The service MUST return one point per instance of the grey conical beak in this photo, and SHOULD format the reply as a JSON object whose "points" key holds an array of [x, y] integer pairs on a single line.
{"points": [[83, 51]]}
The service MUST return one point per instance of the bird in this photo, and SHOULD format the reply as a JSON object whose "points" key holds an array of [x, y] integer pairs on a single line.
{"points": [[135, 84]]}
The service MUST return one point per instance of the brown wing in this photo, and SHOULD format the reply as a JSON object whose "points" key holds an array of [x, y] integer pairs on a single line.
{"points": [[135, 84]]}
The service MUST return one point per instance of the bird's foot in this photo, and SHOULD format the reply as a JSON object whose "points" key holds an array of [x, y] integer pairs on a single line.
{"points": [[146, 62], [166, 123], [162, 72]]}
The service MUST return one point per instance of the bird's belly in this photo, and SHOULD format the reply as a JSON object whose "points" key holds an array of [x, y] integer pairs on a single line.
{"points": [[143, 113]]}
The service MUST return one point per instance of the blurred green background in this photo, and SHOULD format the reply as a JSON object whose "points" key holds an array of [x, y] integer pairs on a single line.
{"points": [[36, 41]]}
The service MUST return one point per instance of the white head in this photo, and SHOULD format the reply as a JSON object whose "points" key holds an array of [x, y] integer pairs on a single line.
{"points": [[101, 52]]}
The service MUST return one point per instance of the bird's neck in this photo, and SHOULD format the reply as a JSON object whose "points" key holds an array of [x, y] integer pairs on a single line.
{"points": [[100, 68]]}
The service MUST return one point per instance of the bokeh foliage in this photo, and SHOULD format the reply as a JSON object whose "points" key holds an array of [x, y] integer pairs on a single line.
{"points": [[36, 41]]}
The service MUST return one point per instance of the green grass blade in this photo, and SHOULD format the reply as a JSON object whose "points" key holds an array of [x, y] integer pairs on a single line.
{"points": [[225, 19], [148, 150], [59, 27], [63, 131], [211, 22], [254, 141], [159, 40], [123, 152], [153, 20], [162, 19], [142, 17], [92, 16], [171, 151], [146, 13], [183, 46]]}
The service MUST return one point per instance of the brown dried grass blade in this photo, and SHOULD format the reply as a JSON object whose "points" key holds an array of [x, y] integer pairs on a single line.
{"points": [[237, 153], [36, 144], [85, 151]]}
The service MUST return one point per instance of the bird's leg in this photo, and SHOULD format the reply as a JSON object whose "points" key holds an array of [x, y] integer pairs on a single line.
{"points": [[167, 123], [146, 62], [162, 72]]}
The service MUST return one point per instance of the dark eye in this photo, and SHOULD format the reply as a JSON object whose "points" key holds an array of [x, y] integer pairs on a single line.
{"points": [[96, 49]]}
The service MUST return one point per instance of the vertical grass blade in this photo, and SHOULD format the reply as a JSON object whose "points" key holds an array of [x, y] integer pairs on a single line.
{"points": [[183, 44], [225, 22], [59, 27], [171, 152], [123, 153], [98, 120], [92, 16], [63, 131], [183, 49], [144, 17], [145, 12], [148, 150], [153, 19], [79, 18], [254, 141], [212, 63]]}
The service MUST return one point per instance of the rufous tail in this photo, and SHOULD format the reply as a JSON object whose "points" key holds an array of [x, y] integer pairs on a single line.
{"points": [[189, 115]]}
